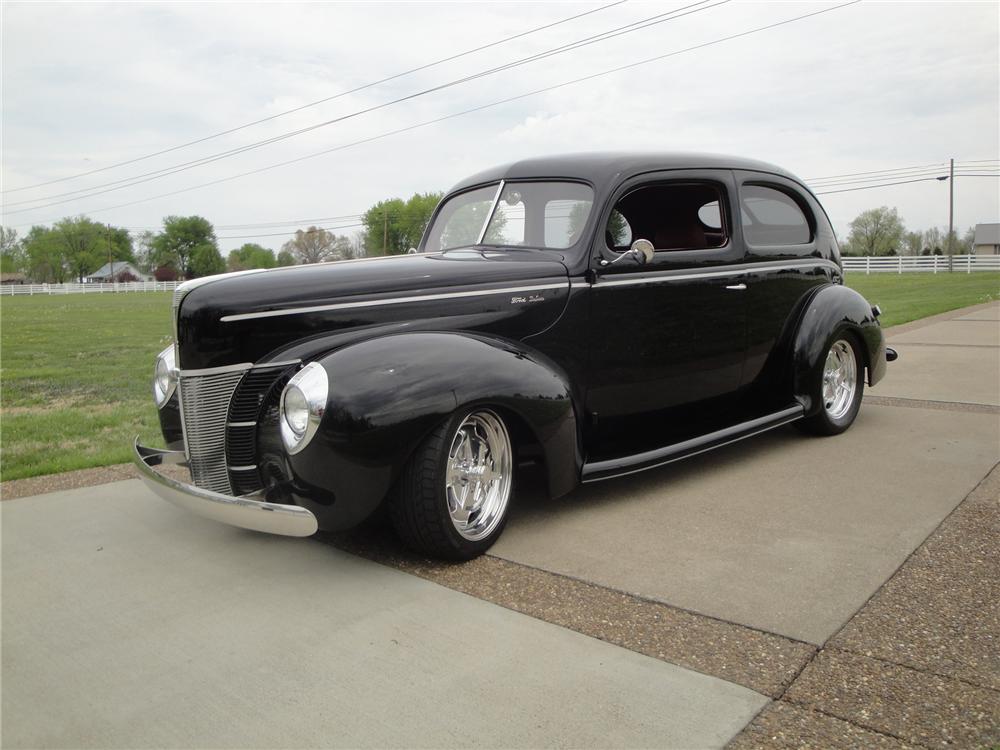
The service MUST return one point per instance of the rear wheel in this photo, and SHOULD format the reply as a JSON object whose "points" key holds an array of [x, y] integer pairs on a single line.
{"points": [[452, 498], [839, 389]]}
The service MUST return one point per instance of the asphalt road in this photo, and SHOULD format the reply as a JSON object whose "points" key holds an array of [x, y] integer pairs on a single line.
{"points": [[661, 610]]}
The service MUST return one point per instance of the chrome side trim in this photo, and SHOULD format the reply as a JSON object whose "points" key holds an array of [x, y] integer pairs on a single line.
{"points": [[248, 512], [392, 301], [728, 271]]}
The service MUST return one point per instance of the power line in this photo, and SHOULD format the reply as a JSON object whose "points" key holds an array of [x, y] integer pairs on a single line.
{"points": [[342, 217], [904, 182], [311, 230], [934, 173], [916, 168], [482, 107], [320, 101], [183, 167]]}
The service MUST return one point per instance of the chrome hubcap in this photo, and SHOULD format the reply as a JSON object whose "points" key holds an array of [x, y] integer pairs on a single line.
{"points": [[840, 379], [478, 479]]}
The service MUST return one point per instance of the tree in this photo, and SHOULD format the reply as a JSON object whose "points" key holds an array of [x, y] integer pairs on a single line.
{"points": [[934, 242], [876, 232], [250, 255], [315, 245], [43, 256], [206, 260], [914, 243], [285, 258], [143, 248], [180, 237], [165, 273], [964, 246], [85, 244], [394, 226], [11, 251]]}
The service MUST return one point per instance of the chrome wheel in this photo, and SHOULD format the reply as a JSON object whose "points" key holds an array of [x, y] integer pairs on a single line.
{"points": [[840, 379], [478, 475]]}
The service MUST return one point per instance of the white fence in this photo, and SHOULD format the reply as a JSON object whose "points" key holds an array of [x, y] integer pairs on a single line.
{"points": [[923, 263], [130, 286]]}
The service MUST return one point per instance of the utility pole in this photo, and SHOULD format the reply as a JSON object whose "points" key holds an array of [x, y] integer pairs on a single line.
{"points": [[951, 214], [111, 260], [385, 230]]}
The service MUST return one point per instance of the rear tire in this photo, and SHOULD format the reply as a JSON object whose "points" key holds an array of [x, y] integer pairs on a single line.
{"points": [[838, 389], [452, 498]]}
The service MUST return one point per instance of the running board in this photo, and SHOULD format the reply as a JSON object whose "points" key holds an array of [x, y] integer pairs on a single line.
{"points": [[616, 467]]}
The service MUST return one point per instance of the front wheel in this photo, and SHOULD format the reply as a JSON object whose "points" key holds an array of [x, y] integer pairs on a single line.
{"points": [[452, 498], [839, 389]]}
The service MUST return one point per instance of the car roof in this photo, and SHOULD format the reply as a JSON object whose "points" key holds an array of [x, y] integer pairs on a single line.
{"points": [[601, 168]]}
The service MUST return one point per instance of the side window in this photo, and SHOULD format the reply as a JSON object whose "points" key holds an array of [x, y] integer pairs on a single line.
{"points": [[673, 216], [618, 233], [772, 217]]}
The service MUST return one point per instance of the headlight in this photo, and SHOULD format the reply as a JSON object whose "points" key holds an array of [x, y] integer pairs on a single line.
{"points": [[164, 377], [302, 405]]}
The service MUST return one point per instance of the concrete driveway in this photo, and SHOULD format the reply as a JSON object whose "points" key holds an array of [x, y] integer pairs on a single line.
{"points": [[127, 623]]}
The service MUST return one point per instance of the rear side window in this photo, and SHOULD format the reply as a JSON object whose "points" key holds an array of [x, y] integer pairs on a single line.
{"points": [[772, 217]]}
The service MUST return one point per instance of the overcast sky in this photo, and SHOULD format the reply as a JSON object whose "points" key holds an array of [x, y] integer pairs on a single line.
{"points": [[871, 86]]}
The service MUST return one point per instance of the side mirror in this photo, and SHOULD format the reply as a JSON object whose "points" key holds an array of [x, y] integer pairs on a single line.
{"points": [[641, 252], [412, 251]]}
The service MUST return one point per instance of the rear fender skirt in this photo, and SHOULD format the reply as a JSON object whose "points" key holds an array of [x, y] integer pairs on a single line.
{"points": [[386, 394], [831, 308]]}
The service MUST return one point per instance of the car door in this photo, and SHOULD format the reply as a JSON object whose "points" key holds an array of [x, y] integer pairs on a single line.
{"points": [[789, 250], [668, 337]]}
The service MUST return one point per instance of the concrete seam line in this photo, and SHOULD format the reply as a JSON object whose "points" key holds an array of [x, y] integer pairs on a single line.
{"points": [[655, 602], [866, 727], [914, 403], [901, 344], [910, 667], [559, 612], [915, 550], [919, 323]]}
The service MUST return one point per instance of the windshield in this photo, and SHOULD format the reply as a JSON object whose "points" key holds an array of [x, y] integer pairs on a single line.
{"points": [[513, 214]]}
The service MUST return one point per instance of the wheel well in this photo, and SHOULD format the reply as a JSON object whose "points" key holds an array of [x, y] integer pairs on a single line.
{"points": [[523, 439], [859, 340]]}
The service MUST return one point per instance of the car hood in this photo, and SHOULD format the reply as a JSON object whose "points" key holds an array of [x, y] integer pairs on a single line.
{"points": [[301, 311]]}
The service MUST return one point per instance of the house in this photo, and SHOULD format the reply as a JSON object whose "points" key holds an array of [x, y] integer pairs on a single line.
{"points": [[114, 271], [12, 278], [987, 241]]}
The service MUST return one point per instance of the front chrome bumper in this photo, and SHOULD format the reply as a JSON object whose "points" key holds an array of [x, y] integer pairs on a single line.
{"points": [[248, 512]]}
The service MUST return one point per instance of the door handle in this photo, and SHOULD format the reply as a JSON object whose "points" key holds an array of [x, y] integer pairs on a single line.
{"points": [[737, 287]]}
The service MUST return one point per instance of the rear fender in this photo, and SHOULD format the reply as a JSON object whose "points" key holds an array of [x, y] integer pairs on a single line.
{"points": [[834, 308]]}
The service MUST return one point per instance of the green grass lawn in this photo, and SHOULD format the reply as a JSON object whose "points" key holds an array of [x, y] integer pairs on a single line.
{"points": [[910, 296], [75, 370], [75, 374]]}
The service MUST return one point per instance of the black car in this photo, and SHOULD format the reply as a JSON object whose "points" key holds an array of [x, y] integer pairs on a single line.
{"points": [[600, 314]]}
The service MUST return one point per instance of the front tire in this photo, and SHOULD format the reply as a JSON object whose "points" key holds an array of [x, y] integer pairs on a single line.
{"points": [[839, 389], [451, 500]]}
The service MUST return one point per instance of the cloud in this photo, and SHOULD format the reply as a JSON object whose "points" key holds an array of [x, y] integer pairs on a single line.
{"points": [[871, 86]]}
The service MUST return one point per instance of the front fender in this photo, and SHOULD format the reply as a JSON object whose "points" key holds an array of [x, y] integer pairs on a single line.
{"points": [[386, 394], [833, 307]]}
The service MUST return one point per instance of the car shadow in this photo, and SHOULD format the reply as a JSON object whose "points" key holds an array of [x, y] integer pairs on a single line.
{"points": [[375, 539]]}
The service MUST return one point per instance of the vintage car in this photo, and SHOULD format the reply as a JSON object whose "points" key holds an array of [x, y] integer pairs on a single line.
{"points": [[598, 314]]}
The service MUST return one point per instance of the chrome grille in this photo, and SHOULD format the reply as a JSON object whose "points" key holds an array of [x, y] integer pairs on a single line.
{"points": [[204, 409]]}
